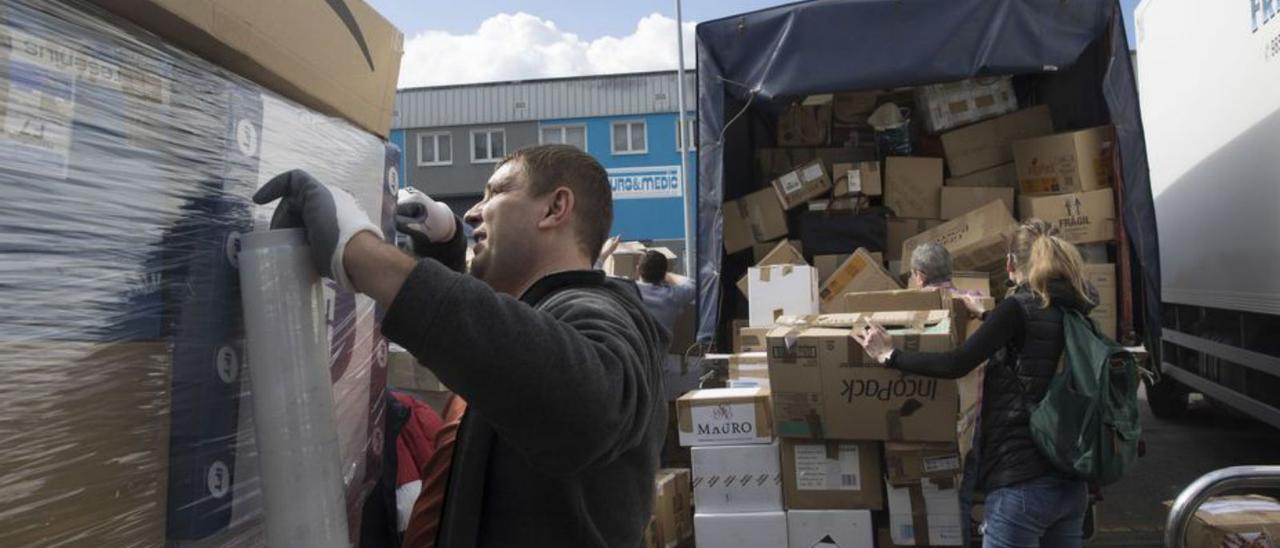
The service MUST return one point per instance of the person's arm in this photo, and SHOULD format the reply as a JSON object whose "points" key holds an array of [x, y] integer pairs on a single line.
{"points": [[1003, 323], [684, 289], [451, 253], [568, 386]]}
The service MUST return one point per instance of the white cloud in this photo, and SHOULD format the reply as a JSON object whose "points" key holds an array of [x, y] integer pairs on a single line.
{"points": [[522, 46]]}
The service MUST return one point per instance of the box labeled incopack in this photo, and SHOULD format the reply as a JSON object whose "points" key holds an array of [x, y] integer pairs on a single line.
{"points": [[737, 478], [725, 416], [1078, 161], [1081, 218]]}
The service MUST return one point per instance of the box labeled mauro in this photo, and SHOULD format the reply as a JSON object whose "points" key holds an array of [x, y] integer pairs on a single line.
{"points": [[1081, 218], [753, 219], [957, 201], [737, 478], [861, 272], [725, 416], [988, 144], [781, 290], [832, 474], [977, 240], [1078, 161], [913, 186], [830, 529], [783, 253]]}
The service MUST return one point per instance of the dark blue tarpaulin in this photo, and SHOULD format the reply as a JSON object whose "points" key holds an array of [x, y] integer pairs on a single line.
{"points": [[756, 62]]}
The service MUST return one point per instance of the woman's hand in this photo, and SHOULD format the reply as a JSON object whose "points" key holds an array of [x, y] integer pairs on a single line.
{"points": [[875, 341], [974, 304]]}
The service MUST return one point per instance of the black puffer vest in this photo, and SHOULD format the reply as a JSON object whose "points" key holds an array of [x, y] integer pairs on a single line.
{"points": [[1015, 375]]}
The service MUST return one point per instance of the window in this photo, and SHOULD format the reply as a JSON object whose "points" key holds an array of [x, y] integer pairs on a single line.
{"points": [[564, 135], [488, 145], [435, 149], [692, 124], [629, 138]]}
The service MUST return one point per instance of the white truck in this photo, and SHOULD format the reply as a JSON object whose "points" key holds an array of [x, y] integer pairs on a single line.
{"points": [[1209, 87]]}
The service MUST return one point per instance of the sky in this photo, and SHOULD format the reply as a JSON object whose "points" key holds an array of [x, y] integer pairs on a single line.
{"points": [[498, 40]]}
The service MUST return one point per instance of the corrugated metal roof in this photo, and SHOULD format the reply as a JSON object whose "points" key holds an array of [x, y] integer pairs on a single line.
{"points": [[532, 100]]}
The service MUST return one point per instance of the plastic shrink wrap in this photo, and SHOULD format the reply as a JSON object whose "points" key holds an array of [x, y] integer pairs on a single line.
{"points": [[126, 167]]}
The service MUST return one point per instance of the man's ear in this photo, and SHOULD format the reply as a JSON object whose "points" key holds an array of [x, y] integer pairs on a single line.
{"points": [[559, 208]]}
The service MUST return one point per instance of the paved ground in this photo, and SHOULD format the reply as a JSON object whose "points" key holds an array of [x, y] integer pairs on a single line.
{"points": [[1132, 513]]}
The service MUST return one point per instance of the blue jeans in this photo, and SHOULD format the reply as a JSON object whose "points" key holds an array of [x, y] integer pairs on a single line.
{"points": [[1044, 512]]}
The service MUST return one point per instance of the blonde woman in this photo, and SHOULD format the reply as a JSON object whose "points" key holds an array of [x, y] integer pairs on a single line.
{"points": [[1028, 502]]}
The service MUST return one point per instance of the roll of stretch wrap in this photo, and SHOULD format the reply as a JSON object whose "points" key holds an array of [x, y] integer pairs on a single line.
{"points": [[304, 504]]}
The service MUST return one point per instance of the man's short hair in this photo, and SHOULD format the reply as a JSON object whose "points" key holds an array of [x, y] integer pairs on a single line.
{"points": [[653, 267], [934, 261], [551, 166]]}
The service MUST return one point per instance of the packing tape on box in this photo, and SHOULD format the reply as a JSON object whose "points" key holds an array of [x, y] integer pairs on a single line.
{"points": [[893, 422], [895, 465], [919, 515], [765, 273], [814, 420]]}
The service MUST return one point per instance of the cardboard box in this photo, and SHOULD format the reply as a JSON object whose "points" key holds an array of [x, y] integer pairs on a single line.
{"points": [[900, 230], [342, 59], [988, 144], [652, 536], [957, 201], [861, 272], [781, 290], [1094, 253], [857, 178], [752, 219], [824, 385], [938, 525], [623, 264], [1081, 218], [805, 125], [1103, 278], [673, 505], [747, 368], [974, 282], [758, 251], [1244, 521], [1003, 176], [752, 339], [830, 529], [737, 478], [853, 107], [909, 463], [832, 474], [913, 186], [977, 240], [954, 104], [1078, 161], [742, 530], [725, 416], [827, 265], [805, 183], [896, 300], [783, 253]]}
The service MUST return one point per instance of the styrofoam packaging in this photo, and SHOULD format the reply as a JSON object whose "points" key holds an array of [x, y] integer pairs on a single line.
{"points": [[737, 478], [741, 530], [830, 529]]}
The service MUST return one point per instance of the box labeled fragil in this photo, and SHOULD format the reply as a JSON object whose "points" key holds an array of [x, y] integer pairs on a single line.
{"points": [[805, 183], [830, 529], [1081, 218], [781, 290], [977, 240], [740, 530], [737, 478], [899, 231], [783, 253], [753, 219], [672, 505], [988, 144], [1078, 161], [937, 524], [957, 201], [857, 178], [912, 186], [1003, 176], [725, 416], [861, 272], [831, 474], [954, 104], [1103, 278], [909, 463]]}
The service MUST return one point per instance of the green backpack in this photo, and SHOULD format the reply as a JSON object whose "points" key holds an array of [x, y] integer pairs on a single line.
{"points": [[1087, 425]]}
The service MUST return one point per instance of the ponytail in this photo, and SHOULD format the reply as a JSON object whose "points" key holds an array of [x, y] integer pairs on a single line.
{"points": [[1041, 256]]}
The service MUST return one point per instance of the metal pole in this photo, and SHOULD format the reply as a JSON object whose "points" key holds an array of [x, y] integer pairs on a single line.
{"points": [[686, 192], [1210, 485]]}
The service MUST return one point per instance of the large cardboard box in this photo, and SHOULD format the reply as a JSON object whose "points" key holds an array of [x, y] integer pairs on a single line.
{"points": [[1237, 521], [752, 219], [725, 416], [830, 529], [797, 187], [977, 240], [1078, 161], [673, 505], [747, 368], [988, 144], [341, 57], [861, 272], [652, 536], [957, 201], [896, 300], [1081, 218], [953, 104], [901, 230], [805, 125], [852, 107], [909, 463], [832, 474], [783, 253], [623, 264], [737, 478], [781, 290], [825, 386], [758, 251], [752, 339], [827, 265], [1103, 278], [913, 186], [975, 282], [741, 530], [857, 178], [1004, 175], [939, 524]]}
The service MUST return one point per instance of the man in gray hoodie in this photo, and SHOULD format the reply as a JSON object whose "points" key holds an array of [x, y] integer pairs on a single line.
{"points": [[561, 366]]}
